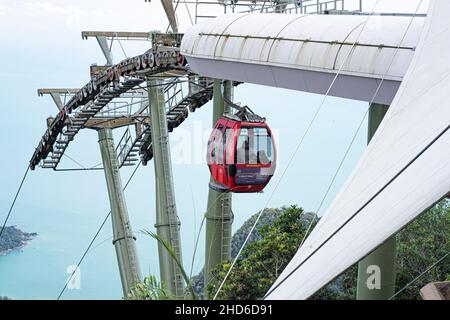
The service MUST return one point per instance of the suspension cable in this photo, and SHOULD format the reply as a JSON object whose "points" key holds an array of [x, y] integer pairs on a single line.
{"points": [[94, 238], [341, 163], [14, 201], [74, 161], [345, 155], [420, 275], [442, 133], [174, 12], [298, 146]]}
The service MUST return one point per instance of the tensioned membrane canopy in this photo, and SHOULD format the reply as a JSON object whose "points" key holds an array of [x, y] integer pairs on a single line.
{"points": [[404, 170], [304, 52]]}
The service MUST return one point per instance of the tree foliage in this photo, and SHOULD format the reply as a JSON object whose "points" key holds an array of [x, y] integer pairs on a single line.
{"points": [[422, 243], [149, 289], [13, 238], [267, 217], [419, 245], [263, 260]]}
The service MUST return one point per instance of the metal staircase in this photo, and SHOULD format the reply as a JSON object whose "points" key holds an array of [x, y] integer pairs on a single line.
{"points": [[134, 147], [80, 117], [108, 83], [227, 223]]}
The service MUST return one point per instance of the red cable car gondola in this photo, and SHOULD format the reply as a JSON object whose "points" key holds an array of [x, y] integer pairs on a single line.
{"points": [[241, 153]]}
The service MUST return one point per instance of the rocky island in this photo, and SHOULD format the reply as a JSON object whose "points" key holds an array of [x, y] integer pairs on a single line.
{"points": [[13, 238]]}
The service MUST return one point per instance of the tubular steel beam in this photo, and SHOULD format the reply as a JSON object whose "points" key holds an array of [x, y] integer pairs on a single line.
{"points": [[170, 13], [103, 43], [219, 216], [116, 34], [123, 238], [58, 91], [167, 222], [376, 272]]}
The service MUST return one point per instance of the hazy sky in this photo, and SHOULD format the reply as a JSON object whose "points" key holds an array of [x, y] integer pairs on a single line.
{"points": [[41, 47]]}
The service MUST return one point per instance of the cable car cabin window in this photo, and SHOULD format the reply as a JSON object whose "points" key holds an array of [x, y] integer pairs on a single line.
{"points": [[254, 146], [230, 146], [221, 145], [241, 156], [214, 145]]}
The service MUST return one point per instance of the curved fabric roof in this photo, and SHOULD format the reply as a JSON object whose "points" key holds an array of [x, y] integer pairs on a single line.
{"points": [[404, 170], [303, 52]]}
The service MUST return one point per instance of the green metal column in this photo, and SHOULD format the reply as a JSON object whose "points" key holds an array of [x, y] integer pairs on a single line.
{"points": [[167, 222], [123, 238], [219, 216], [376, 272]]}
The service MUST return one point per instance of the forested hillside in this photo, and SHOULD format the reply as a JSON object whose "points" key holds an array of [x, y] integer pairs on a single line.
{"points": [[13, 238]]}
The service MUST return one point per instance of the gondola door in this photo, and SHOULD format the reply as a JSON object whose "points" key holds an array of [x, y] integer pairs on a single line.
{"points": [[220, 159], [213, 151], [230, 145]]}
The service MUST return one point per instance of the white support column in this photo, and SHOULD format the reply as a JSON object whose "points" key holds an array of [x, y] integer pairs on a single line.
{"points": [[219, 215], [167, 222], [123, 238]]}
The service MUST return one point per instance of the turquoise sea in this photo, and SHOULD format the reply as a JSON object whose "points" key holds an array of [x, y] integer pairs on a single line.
{"points": [[38, 271], [66, 208]]}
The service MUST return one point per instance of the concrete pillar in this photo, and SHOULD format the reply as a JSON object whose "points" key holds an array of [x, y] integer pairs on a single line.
{"points": [[376, 272], [167, 222], [123, 238], [219, 216]]}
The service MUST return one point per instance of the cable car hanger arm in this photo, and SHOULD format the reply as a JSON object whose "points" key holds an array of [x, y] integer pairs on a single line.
{"points": [[244, 113]]}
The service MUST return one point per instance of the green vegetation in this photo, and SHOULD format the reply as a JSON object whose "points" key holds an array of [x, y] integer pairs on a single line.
{"points": [[276, 239], [12, 238], [151, 289], [263, 260], [267, 217], [420, 244]]}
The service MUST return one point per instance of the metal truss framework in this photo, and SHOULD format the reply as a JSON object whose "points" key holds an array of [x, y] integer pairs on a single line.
{"points": [[203, 8], [207, 9], [116, 96]]}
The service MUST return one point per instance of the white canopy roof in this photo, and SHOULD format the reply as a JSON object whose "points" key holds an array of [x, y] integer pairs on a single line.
{"points": [[304, 52], [404, 171]]}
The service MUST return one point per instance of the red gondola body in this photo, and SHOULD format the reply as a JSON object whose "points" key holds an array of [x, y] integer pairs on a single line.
{"points": [[241, 156]]}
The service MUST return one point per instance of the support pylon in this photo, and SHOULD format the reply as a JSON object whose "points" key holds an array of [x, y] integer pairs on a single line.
{"points": [[376, 272], [167, 222], [123, 238], [219, 216]]}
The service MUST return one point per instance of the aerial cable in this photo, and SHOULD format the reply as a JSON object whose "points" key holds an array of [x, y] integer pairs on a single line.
{"points": [[121, 47], [298, 146], [82, 167], [348, 149], [74, 161], [359, 126], [189, 13], [420, 275], [174, 11], [84, 255], [93, 239], [196, 236], [196, 246], [244, 113], [77, 169], [362, 207], [14, 201]]}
